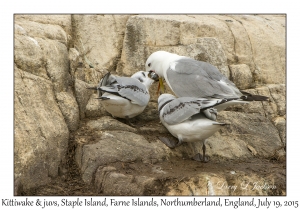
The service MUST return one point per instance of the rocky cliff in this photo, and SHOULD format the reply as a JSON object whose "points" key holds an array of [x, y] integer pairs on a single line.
{"points": [[60, 127]]}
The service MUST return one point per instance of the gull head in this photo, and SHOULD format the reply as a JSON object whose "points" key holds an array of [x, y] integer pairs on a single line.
{"points": [[159, 61], [147, 78]]}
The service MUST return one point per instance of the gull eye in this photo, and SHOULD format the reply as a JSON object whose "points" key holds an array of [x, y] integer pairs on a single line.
{"points": [[149, 64]]}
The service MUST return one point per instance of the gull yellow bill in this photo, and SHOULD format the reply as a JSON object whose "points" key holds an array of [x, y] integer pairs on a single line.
{"points": [[160, 86]]}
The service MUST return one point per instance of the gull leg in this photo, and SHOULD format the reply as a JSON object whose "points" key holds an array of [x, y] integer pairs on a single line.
{"points": [[180, 141], [128, 122], [199, 157], [205, 158]]}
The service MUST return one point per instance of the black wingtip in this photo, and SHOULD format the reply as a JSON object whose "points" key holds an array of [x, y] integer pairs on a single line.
{"points": [[255, 98], [222, 124], [249, 97], [103, 98], [92, 88]]}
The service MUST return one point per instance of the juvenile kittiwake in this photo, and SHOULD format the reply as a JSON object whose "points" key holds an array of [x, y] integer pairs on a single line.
{"points": [[189, 119], [189, 77], [125, 97]]}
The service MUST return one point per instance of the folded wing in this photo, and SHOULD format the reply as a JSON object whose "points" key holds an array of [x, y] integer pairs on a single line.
{"points": [[126, 87], [200, 79]]}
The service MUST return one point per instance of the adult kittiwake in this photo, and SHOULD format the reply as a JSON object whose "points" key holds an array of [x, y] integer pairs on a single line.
{"points": [[189, 77], [125, 97], [189, 119]]}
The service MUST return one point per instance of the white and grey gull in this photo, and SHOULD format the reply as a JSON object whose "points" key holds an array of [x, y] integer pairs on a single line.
{"points": [[191, 78], [125, 97], [189, 119]]}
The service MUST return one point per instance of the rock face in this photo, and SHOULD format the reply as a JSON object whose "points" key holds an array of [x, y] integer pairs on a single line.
{"points": [[41, 76], [41, 134], [58, 56], [113, 147], [241, 76]]}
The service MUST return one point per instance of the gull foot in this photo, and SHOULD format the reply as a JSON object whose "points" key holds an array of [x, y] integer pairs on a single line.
{"points": [[128, 122], [199, 157], [169, 142]]}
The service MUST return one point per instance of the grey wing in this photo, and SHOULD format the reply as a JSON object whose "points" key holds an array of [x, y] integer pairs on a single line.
{"points": [[180, 109], [193, 78], [128, 88], [133, 90]]}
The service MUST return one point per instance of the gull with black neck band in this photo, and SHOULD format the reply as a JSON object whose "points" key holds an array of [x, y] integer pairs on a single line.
{"points": [[125, 97], [189, 119]]}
